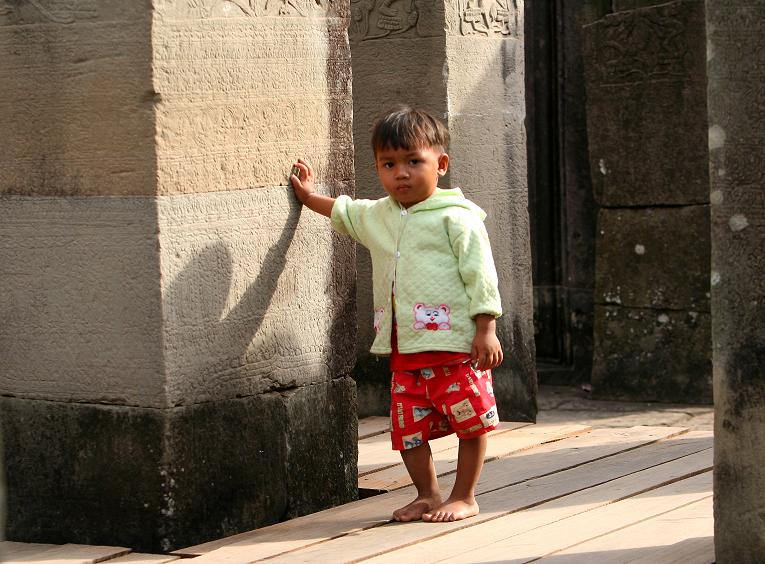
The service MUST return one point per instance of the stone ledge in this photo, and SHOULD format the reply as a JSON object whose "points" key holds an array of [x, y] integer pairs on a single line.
{"points": [[156, 480]]}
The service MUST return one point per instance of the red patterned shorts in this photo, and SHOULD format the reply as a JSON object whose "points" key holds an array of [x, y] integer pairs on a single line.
{"points": [[434, 402]]}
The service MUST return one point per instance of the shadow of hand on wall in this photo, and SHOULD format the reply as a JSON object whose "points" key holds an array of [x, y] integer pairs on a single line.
{"points": [[213, 349]]}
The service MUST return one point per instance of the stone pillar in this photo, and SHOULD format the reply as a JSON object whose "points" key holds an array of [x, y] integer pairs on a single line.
{"points": [[646, 116], [736, 75], [177, 335], [465, 64]]}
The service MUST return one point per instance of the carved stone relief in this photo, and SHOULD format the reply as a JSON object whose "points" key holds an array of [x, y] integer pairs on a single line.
{"points": [[19, 12], [645, 45], [203, 9], [491, 17], [376, 19]]}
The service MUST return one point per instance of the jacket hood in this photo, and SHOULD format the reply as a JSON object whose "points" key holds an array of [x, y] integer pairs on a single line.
{"points": [[444, 198]]}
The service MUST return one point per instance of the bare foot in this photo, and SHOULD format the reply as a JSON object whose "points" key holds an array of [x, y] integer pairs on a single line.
{"points": [[452, 511], [414, 510]]}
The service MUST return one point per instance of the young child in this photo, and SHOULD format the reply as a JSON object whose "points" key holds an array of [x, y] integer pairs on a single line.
{"points": [[436, 301]]}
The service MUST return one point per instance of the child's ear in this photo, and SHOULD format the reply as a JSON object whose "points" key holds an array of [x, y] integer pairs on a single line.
{"points": [[443, 164]]}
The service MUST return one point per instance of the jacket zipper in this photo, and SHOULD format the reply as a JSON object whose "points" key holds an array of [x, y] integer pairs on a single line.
{"points": [[396, 255]]}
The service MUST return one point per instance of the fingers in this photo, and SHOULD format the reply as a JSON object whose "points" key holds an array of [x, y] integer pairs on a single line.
{"points": [[487, 360], [301, 170]]}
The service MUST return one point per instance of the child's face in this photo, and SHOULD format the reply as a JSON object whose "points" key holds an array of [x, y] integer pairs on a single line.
{"points": [[410, 176]]}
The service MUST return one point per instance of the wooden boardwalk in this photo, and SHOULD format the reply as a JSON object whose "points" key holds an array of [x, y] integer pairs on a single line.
{"points": [[550, 492]]}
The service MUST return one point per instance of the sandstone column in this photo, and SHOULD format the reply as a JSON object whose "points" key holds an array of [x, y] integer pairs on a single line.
{"points": [[646, 121], [177, 335], [736, 74], [464, 63]]}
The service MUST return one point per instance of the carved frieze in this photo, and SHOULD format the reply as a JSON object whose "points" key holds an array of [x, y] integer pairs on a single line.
{"points": [[20, 12], [491, 17], [203, 9], [376, 19], [645, 45]]}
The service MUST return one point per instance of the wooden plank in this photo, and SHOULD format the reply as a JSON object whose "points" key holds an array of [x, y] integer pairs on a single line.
{"points": [[544, 541], [10, 549], [375, 511], [371, 426], [138, 558], [598, 443], [578, 505], [72, 554], [684, 535], [692, 551], [375, 453], [499, 445], [356, 516], [494, 504]]}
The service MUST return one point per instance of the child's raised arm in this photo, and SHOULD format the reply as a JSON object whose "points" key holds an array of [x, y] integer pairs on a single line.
{"points": [[302, 183]]}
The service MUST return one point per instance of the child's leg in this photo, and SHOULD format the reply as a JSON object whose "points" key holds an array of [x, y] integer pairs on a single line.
{"points": [[461, 503], [419, 464]]}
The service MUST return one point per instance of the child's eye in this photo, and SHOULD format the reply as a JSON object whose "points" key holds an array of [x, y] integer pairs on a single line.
{"points": [[414, 161], [387, 165]]}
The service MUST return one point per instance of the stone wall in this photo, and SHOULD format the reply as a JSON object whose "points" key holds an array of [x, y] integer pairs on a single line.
{"points": [[466, 66], [736, 70], [646, 117], [178, 335]]}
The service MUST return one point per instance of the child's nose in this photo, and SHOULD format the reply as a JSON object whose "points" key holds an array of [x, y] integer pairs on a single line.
{"points": [[401, 172]]}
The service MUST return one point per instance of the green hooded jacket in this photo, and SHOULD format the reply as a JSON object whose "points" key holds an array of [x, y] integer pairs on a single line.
{"points": [[434, 259]]}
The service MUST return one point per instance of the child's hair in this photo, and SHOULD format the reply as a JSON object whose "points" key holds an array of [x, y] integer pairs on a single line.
{"points": [[408, 128]]}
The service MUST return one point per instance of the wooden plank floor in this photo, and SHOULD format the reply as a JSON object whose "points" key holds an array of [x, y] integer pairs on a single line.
{"points": [[33, 553], [556, 493], [559, 493]]}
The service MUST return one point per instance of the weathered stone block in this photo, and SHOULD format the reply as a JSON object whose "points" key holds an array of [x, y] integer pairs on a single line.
{"points": [[654, 258], [242, 310], [81, 303], [652, 355], [624, 5], [76, 113], [193, 474], [646, 112]]}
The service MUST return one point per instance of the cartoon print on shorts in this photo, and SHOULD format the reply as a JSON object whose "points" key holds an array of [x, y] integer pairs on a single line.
{"points": [[379, 314], [453, 387], [427, 373], [473, 387], [431, 318], [462, 411], [420, 413], [490, 418], [399, 389], [412, 441]]}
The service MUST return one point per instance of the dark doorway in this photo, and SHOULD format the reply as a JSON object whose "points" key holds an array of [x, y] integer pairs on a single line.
{"points": [[561, 204]]}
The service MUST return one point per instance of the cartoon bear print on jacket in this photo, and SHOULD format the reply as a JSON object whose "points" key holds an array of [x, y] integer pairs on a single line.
{"points": [[431, 318]]}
